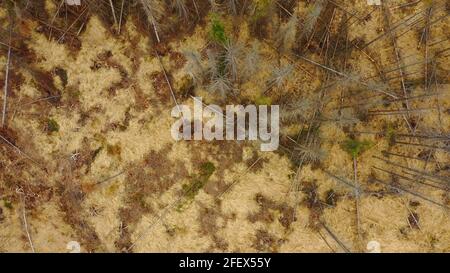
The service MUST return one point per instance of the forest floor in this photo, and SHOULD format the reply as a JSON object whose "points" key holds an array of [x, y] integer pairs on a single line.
{"points": [[86, 152]]}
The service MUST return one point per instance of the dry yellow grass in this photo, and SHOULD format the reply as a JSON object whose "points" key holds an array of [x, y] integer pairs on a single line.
{"points": [[120, 136]]}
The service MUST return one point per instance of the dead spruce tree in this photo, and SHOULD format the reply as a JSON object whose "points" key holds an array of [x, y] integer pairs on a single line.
{"points": [[154, 9], [285, 38]]}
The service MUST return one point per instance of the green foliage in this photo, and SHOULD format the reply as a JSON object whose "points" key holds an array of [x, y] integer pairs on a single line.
{"points": [[198, 182], [52, 125], [390, 134], [191, 190], [355, 147], [207, 169], [262, 9], [263, 100], [7, 204], [74, 94], [217, 32]]}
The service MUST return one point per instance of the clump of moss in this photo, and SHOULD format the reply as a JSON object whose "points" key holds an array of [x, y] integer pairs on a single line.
{"points": [[355, 147], [7, 204], [390, 134], [52, 126], [62, 74], [207, 169], [263, 100], [262, 8], [217, 32], [73, 95], [191, 190]]}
